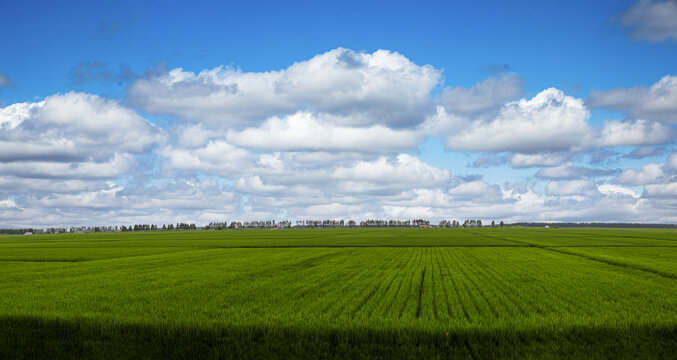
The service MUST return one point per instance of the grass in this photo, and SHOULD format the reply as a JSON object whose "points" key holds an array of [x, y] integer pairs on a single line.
{"points": [[356, 293]]}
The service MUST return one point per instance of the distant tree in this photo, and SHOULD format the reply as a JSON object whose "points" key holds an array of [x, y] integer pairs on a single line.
{"points": [[493, 224], [501, 224], [479, 223]]}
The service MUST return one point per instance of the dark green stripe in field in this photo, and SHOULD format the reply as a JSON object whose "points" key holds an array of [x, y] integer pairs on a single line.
{"points": [[412, 293]]}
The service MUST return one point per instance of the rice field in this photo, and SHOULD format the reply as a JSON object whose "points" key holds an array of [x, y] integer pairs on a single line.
{"points": [[341, 293]]}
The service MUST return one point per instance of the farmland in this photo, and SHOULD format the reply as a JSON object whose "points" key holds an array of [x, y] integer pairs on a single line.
{"points": [[357, 293]]}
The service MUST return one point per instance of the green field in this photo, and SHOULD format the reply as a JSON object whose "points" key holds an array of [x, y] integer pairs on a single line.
{"points": [[347, 293]]}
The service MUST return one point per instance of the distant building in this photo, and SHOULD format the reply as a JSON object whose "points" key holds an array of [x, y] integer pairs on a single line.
{"points": [[28, 233], [547, 226]]}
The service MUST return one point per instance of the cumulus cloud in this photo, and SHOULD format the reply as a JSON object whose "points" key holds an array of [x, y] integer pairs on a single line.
{"points": [[661, 190], [487, 95], [550, 121], [672, 161], [117, 165], [404, 172], [654, 21], [358, 89], [76, 123], [253, 184], [615, 190], [649, 174], [569, 171], [656, 102], [545, 159], [635, 133], [72, 136], [569, 188], [303, 132], [476, 190], [217, 156]]}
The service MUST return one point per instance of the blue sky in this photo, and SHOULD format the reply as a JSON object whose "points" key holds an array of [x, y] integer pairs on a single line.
{"points": [[160, 112]]}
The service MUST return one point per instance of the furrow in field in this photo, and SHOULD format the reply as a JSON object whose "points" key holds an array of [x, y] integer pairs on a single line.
{"points": [[378, 306], [614, 263], [374, 291], [441, 289], [392, 297], [510, 300], [408, 306], [420, 294], [429, 297], [329, 288], [474, 291], [456, 288], [337, 306]]}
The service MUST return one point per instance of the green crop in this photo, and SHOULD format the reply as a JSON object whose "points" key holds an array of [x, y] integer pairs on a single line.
{"points": [[349, 293]]}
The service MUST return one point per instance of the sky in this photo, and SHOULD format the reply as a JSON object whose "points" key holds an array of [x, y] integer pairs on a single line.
{"points": [[129, 112]]}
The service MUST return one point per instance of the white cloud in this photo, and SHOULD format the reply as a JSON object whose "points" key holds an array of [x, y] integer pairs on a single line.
{"points": [[650, 174], [569, 171], [615, 190], [661, 190], [550, 121], [358, 89], [672, 161], [635, 133], [546, 159], [476, 190], [652, 20], [217, 156], [253, 184], [569, 188], [657, 102], [405, 171], [487, 95], [303, 132], [71, 131], [193, 135], [117, 165]]}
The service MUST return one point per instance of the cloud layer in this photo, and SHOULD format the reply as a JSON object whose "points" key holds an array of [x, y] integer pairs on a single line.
{"points": [[343, 134]]}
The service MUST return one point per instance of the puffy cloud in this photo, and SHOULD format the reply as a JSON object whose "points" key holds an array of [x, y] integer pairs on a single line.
{"points": [[476, 190], [661, 190], [405, 168], [545, 159], [650, 174], [74, 124], [672, 161], [303, 132], [635, 133], [569, 171], [615, 190], [117, 165], [253, 184], [652, 20], [550, 121], [657, 102], [358, 89], [72, 136], [487, 95], [569, 188], [217, 156]]}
